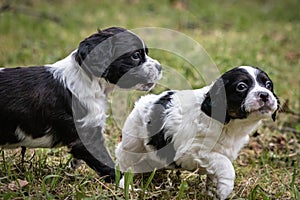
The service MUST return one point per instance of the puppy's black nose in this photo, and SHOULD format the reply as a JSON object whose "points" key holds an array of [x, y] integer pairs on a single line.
{"points": [[264, 96]]}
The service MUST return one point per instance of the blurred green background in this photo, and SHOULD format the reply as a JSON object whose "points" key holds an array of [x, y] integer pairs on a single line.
{"points": [[262, 33]]}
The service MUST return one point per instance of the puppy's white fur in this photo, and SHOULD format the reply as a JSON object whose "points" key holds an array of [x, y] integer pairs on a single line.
{"points": [[94, 97]]}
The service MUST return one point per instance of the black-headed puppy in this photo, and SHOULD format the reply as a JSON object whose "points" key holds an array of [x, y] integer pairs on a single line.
{"points": [[65, 103], [200, 129]]}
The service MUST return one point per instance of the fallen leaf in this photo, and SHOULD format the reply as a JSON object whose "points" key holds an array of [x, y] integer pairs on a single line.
{"points": [[14, 186]]}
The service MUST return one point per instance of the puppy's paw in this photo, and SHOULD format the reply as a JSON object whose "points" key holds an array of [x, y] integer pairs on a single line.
{"points": [[121, 183], [122, 186]]}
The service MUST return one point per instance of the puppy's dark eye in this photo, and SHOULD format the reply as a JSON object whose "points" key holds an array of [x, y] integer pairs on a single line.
{"points": [[269, 85], [241, 87], [136, 56]]}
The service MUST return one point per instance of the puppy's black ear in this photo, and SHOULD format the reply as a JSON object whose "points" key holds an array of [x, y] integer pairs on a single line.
{"points": [[215, 103], [274, 116], [275, 113], [94, 54]]}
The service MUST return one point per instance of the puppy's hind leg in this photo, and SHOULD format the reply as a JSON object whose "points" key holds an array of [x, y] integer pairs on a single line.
{"points": [[129, 154]]}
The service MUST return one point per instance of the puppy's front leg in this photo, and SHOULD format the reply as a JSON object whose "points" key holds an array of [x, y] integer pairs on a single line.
{"points": [[87, 143], [89, 147], [100, 162], [220, 172]]}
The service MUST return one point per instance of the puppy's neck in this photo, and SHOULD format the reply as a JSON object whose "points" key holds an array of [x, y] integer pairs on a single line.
{"points": [[243, 127], [90, 91]]}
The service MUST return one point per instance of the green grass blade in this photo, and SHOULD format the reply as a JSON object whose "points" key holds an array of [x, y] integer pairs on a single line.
{"points": [[118, 177], [253, 193], [54, 181], [149, 180], [3, 160], [183, 186], [128, 180], [296, 193]]}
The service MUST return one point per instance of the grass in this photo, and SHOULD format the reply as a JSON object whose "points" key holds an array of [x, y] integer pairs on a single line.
{"points": [[263, 33]]}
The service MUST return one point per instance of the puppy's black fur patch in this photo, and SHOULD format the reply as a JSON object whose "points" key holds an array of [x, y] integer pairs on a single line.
{"points": [[36, 105], [264, 80], [223, 102], [156, 130]]}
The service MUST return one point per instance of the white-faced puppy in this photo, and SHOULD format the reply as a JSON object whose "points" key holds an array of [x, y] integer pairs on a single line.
{"points": [[65, 103], [200, 129]]}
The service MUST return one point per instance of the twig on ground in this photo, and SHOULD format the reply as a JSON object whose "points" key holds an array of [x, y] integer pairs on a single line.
{"points": [[286, 109], [106, 187]]}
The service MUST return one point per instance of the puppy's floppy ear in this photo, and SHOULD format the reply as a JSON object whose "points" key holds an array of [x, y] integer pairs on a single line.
{"points": [[94, 54], [278, 106], [274, 116], [215, 103], [97, 53]]}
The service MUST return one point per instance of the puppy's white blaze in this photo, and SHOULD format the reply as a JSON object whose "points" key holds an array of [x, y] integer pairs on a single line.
{"points": [[28, 141], [91, 93], [250, 70]]}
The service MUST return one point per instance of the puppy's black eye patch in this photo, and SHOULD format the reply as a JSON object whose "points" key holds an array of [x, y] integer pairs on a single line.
{"points": [[264, 81], [241, 87]]}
